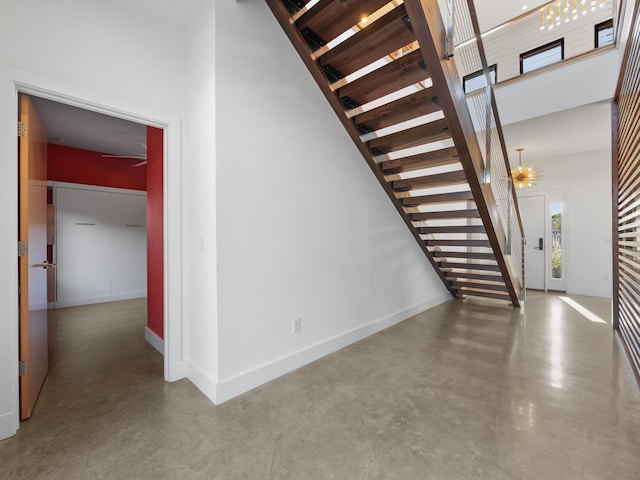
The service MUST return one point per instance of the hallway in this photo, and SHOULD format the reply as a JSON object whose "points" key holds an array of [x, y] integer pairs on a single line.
{"points": [[462, 391]]}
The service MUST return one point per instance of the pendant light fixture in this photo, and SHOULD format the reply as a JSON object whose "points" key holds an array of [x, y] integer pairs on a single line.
{"points": [[562, 11], [523, 177]]}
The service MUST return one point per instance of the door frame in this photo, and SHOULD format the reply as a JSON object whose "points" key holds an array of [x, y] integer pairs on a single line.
{"points": [[18, 81], [550, 197]]}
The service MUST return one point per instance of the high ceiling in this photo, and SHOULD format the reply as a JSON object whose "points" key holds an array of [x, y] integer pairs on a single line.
{"points": [[495, 12], [80, 128]]}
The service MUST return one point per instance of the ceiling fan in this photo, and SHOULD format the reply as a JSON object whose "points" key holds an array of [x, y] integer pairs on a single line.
{"points": [[134, 155]]}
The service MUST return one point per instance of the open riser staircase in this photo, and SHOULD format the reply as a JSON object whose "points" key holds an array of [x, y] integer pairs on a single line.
{"points": [[382, 66]]}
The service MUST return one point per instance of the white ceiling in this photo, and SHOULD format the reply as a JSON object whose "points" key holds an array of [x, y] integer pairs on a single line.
{"points": [[576, 130], [79, 128], [495, 12]]}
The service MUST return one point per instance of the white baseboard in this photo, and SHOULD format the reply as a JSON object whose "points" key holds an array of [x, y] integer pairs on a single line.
{"points": [[7, 425], [76, 302], [203, 381], [177, 370], [587, 292], [155, 341], [233, 386]]}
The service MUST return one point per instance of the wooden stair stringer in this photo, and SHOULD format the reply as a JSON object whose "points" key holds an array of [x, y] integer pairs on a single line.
{"points": [[430, 32], [304, 51]]}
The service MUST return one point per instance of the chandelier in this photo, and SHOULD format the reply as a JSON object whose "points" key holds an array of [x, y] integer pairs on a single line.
{"points": [[562, 11], [523, 177]]}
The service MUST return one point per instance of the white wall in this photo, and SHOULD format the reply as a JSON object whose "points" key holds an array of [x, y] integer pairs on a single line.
{"points": [[111, 47], [505, 46], [587, 81], [101, 245], [583, 183], [304, 230], [200, 280], [104, 53]]}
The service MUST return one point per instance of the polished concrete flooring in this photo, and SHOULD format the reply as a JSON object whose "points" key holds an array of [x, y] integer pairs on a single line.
{"points": [[462, 391]]}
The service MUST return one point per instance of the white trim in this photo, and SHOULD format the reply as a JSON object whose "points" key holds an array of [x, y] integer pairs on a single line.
{"points": [[96, 188], [7, 422], [219, 392], [590, 292], [13, 81], [155, 341], [203, 382]]}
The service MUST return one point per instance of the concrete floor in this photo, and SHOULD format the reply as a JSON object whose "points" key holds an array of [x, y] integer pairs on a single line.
{"points": [[462, 391]]}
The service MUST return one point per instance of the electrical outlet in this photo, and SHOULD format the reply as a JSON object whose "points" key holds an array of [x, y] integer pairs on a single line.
{"points": [[297, 325]]}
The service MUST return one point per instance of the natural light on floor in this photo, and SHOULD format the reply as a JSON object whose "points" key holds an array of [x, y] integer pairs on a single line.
{"points": [[592, 317]]}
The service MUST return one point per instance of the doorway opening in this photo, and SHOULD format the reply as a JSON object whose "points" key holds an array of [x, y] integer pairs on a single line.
{"points": [[92, 194]]}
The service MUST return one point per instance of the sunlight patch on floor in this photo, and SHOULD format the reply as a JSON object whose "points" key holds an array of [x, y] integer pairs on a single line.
{"points": [[588, 314]]}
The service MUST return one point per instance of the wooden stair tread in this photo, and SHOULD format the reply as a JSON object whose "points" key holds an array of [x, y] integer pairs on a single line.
{"points": [[462, 276], [404, 71], [459, 243], [437, 198], [482, 286], [428, 181], [495, 295], [452, 229], [330, 18], [436, 158], [422, 102], [412, 137], [470, 266], [419, 217], [377, 40], [467, 255]]}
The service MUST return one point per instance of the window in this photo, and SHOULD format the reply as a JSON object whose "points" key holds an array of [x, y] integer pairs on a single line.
{"points": [[556, 240], [604, 33], [542, 56], [475, 81]]}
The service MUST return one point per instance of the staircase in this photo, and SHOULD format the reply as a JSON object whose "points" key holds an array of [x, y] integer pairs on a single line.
{"points": [[382, 66]]}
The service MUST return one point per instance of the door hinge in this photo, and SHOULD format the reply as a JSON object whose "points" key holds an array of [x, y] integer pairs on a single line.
{"points": [[22, 367], [22, 249], [22, 129]]}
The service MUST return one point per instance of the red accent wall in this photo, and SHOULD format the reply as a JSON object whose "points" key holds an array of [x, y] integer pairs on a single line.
{"points": [[155, 231], [75, 165]]}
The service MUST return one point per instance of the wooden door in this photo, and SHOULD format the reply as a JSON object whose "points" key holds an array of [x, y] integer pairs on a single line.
{"points": [[33, 265], [532, 210]]}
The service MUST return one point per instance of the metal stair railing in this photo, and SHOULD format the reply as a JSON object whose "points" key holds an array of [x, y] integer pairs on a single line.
{"points": [[464, 45]]}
